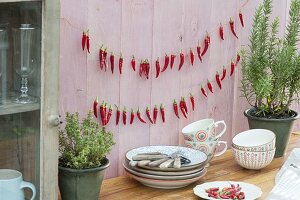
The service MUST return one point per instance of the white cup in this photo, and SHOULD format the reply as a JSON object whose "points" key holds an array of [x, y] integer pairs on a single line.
{"points": [[12, 184], [203, 130]]}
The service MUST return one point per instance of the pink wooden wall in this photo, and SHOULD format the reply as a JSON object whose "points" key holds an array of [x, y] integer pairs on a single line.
{"points": [[148, 29]]}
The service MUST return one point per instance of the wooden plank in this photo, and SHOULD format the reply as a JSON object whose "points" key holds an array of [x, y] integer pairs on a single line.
{"points": [[12, 108]]}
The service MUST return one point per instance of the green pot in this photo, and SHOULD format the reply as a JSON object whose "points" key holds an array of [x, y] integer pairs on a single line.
{"points": [[281, 127], [81, 184]]}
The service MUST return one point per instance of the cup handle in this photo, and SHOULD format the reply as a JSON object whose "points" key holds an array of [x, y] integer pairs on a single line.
{"points": [[224, 150], [25, 184], [224, 129]]}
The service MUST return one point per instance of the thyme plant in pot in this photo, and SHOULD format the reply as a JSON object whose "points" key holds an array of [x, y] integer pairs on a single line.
{"points": [[271, 73], [82, 162]]}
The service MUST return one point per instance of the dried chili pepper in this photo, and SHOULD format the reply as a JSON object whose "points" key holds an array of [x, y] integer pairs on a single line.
{"points": [[149, 115], [181, 60], [133, 63], [192, 56], [131, 116], [199, 52], [124, 114], [112, 62], [101, 58], [175, 107], [109, 114], [105, 113], [203, 91], [157, 65], [155, 111], [206, 45], [104, 58], [118, 115], [192, 99], [102, 113], [232, 66], [231, 23], [88, 42], [172, 60], [182, 108], [238, 58], [138, 114], [147, 68], [166, 64], [221, 32], [241, 18], [95, 107], [209, 85], [120, 64], [223, 74], [83, 40], [141, 68], [184, 105], [162, 112], [218, 80]]}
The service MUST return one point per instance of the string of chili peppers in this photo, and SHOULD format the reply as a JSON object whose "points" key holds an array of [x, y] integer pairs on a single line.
{"points": [[104, 111]]}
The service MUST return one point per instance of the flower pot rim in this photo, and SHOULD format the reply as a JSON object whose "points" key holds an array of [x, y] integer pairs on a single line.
{"points": [[100, 168], [267, 119]]}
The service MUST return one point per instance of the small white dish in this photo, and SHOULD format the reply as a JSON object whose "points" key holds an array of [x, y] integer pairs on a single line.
{"points": [[167, 184], [251, 191]]}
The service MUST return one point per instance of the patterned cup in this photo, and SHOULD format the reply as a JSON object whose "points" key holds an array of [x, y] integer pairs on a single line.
{"points": [[203, 130], [209, 148]]}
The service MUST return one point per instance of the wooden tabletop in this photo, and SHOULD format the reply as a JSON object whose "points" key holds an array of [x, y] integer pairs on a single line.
{"points": [[222, 168]]}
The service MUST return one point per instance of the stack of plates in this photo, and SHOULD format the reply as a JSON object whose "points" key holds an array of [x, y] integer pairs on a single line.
{"points": [[167, 178]]}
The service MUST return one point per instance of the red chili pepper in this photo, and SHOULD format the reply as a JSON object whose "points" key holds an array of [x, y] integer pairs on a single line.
{"points": [[232, 66], [238, 58], [102, 113], [172, 60], [104, 58], [157, 65], [131, 116], [83, 40], [105, 113], [192, 56], [141, 68], [147, 68], [231, 23], [155, 111], [109, 114], [223, 74], [221, 31], [184, 105], [209, 85], [192, 101], [95, 107], [167, 60], [138, 113], [199, 52], [203, 91], [218, 80], [182, 108], [118, 115], [149, 115], [88, 42], [112, 62], [124, 114], [181, 61], [120, 64], [133, 63], [241, 18], [206, 45], [101, 58], [162, 112], [175, 107]]}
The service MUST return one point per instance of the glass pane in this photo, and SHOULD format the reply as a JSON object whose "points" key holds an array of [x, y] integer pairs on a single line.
{"points": [[20, 90]]}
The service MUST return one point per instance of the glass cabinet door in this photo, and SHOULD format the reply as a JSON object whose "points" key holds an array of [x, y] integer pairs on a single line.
{"points": [[24, 118]]}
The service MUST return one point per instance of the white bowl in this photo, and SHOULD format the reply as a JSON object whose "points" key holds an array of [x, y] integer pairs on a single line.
{"points": [[253, 160], [254, 140]]}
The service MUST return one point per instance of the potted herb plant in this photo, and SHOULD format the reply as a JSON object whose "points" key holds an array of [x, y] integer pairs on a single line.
{"points": [[82, 162], [271, 73]]}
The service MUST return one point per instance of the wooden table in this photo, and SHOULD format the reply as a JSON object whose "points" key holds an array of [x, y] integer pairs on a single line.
{"points": [[222, 168]]}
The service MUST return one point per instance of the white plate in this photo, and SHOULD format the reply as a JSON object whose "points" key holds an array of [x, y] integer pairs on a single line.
{"points": [[251, 191], [196, 157], [166, 184], [162, 177]]}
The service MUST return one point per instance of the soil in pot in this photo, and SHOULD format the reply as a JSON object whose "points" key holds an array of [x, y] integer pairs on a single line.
{"points": [[81, 184]]}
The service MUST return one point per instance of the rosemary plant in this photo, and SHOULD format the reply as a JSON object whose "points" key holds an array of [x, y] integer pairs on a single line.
{"points": [[271, 65]]}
